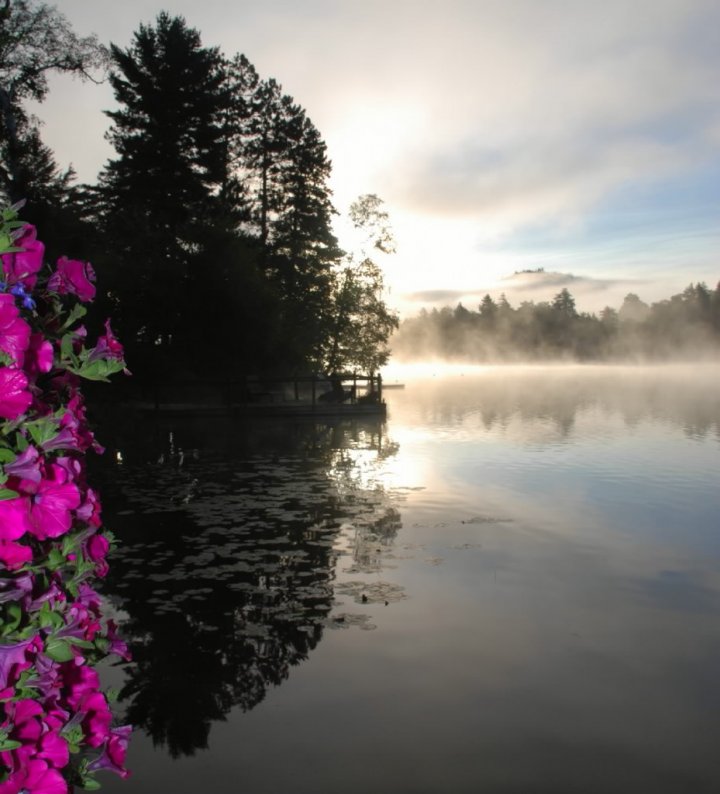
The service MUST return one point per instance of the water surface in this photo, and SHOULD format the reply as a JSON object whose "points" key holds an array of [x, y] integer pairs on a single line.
{"points": [[511, 586]]}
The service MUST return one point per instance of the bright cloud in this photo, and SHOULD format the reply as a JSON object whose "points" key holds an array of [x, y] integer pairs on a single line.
{"points": [[479, 123]]}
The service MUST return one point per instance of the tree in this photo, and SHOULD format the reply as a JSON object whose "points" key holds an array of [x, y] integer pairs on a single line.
{"points": [[564, 304], [633, 309], [361, 322], [35, 40], [163, 195]]}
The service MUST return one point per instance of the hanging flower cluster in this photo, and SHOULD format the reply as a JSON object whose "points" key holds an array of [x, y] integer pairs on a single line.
{"points": [[56, 725]]}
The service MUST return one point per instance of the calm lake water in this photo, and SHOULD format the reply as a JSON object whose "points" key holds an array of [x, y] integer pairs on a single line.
{"points": [[513, 585]]}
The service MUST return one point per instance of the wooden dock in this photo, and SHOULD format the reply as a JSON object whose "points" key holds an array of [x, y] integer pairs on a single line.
{"points": [[341, 395]]}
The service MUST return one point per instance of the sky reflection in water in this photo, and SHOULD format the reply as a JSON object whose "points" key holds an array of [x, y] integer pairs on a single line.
{"points": [[512, 587]]}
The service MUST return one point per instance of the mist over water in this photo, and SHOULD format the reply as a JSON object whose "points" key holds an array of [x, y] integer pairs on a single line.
{"points": [[512, 586]]}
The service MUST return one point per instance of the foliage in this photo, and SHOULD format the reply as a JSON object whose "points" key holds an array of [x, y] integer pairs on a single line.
{"points": [[223, 180], [57, 729], [164, 183], [35, 40], [686, 325], [361, 322]]}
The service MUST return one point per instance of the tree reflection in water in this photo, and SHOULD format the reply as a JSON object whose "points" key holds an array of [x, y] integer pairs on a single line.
{"points": [[226, 557]]}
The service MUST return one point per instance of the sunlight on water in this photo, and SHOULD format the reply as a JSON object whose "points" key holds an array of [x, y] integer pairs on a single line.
{"points": [[519, 574]]}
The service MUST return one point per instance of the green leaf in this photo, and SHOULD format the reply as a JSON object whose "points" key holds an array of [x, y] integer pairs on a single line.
{"points": [[77, 312], [13, 616], [42, 430], [6, 455], [48, 618], [81, 643], [90, 784], [59, 650], [55, 559], [66, 347], [9, 744], [99, 370], [7, 493]]}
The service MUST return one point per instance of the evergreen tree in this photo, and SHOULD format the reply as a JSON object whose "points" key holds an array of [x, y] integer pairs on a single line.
{"points": [[163, 195]]}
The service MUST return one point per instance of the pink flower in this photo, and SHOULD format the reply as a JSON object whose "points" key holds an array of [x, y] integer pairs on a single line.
{"points": [[13, 660], [38, 356], [37, 778], [14, 331], [96, 723], [73, 277], [117, 646], [25, 466], [54, 749], [51, 505], [79, 681], [14, 518], [89, 510], [14, 555], [75, 421], [14, 397], [24, 265], [114, 753], [108, 346]]}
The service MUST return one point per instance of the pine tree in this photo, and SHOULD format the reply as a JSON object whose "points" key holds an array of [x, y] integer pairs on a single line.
{"points": [[164, 192]]}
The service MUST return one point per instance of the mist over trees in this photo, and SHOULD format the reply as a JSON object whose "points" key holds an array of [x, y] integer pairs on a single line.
{"points": [[686, 326], [210, 228]]}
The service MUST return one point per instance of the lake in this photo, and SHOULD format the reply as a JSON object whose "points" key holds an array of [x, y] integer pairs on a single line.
{"points": [[512, 585]]}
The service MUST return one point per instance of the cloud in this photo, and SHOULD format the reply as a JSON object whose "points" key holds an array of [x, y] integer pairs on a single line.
{"points": [[479, 123], [537, 280], [536, 286], [444, 296]]}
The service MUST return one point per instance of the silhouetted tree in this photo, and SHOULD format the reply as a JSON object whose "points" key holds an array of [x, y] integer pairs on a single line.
{"points": [[162, 196], [35, 41], [360, 322]]}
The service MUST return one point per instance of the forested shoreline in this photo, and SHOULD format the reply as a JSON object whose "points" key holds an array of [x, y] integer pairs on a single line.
{"points": [[685, 326], [210, 229]]}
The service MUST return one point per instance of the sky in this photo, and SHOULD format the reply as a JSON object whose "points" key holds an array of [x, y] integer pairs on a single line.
{"points": [[576, 136]]}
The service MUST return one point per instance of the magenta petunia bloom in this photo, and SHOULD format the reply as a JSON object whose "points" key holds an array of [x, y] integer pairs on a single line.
{"points": [[79, 681], [14, 397], [89, 510], [14, 331], [26, 466], [97, 719], [117, 646], [51, 504], [14, 555], [108, 346], [38, 777], [50, 510], [53, 749], [73, 277], [113, 757], [22, 266], [14, 518], [38, 356], [13, 660]]}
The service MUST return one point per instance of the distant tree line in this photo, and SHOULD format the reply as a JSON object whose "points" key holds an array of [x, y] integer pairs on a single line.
{"points": [[686, 325], [211, 227]]}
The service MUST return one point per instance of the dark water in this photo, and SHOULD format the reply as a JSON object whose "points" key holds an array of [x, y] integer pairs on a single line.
{"points": [[511, 586]]}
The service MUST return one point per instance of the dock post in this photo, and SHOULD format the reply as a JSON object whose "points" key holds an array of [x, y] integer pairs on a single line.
{"points": [[379, 378]]}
